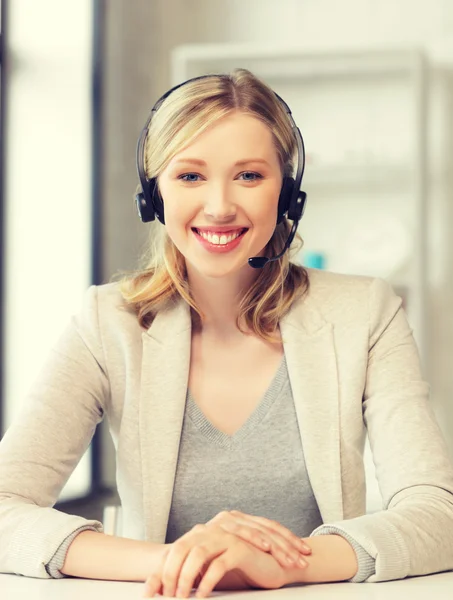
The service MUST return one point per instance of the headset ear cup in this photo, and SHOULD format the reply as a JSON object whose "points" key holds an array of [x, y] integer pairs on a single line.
{"points": [[297, 208], [149, 203], [157, 201], [285, 197], [145, 212]]}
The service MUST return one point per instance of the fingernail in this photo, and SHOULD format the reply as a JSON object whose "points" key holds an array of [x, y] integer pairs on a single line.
{"points": [[302, 562], [265, 544]]}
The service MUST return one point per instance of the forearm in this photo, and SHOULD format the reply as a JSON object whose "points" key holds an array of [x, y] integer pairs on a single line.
{"points": [[95, 555], [332, 559]]}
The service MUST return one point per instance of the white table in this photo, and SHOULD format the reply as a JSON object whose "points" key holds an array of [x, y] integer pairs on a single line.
{"points": [[432, 587]]}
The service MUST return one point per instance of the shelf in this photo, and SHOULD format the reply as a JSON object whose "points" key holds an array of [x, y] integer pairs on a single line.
{"points": [[293, 62], [380, 175]]}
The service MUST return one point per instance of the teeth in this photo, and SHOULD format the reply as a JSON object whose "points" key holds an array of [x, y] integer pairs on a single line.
{"points": [[219, 241]]}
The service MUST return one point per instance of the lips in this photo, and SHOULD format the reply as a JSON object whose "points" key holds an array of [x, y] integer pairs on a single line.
{"points": [[220, 242], [220, 230]]}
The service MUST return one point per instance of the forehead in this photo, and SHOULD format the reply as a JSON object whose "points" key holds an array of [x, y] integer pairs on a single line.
{"points": [[235, 136]]}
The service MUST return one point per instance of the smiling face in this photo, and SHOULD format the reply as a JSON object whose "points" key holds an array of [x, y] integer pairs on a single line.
{"points": [[220, 196]]}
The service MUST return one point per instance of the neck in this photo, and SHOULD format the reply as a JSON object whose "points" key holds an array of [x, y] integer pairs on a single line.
{"points": [[218, 299]]}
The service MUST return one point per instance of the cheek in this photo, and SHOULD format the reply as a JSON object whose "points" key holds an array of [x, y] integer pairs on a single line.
{"points": [[177, 220], [174, 209], [264, 208], [265, 219], [174, 224]]}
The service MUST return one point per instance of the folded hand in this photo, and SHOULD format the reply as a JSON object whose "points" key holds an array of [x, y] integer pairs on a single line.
{"points": [[208, 556]]}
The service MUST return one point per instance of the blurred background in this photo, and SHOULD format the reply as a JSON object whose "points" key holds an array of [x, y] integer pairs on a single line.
{"points": [[370, 86]]}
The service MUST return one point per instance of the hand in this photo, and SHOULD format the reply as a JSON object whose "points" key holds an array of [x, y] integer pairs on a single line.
{"points": [[210, 554], [266, 535]]}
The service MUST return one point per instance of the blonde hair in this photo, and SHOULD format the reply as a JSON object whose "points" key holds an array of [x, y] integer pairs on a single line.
{"points": [[185, 114]]}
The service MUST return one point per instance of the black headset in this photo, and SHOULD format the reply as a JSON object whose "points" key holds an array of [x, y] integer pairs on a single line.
{"points": [[291, 201]]}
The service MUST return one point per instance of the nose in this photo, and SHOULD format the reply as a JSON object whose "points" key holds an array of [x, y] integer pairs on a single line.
{"points": [[219, 204]]}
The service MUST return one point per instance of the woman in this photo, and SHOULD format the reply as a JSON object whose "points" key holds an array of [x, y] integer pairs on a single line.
{"points": [[237, 397]]}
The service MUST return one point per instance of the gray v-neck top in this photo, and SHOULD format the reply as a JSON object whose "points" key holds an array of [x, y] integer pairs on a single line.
{"points": [[260, 470]]}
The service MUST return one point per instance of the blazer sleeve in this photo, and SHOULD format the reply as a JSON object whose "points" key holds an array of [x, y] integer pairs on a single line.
{"points": [[413, 534], [45, 443]]}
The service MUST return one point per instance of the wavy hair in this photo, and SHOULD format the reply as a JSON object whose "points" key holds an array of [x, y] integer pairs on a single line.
{"points": [[162, 278]]}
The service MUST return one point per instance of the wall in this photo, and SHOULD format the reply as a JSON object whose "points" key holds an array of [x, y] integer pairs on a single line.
{"points": [[140, 40]]}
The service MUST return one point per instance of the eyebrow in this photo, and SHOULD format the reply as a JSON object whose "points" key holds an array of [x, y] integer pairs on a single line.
{"points": [[239, 163]]}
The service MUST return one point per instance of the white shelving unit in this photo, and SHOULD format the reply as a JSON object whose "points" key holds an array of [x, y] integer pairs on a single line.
{"points": [[363, 115], [365, 176]]}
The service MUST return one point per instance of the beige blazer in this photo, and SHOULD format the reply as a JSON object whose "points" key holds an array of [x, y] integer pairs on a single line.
{"points": [[353, 367]]}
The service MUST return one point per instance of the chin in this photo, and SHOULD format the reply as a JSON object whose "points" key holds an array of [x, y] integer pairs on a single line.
{"points": [[213, 272], [216, 271]]}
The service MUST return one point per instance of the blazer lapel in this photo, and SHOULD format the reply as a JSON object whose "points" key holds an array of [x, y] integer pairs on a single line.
{"points": [[310, 355], [165, 371]]}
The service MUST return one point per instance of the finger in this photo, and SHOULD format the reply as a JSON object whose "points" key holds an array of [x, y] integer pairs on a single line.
{"points": [[286, 556], [287, 559], [264, 540], [251, 531], [216, 570], [261, 537], [191, 569], [250, 534], [277, 528], [173, 565], [152, 586]]}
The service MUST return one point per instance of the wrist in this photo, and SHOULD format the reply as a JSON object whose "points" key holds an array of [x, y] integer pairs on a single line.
{"points": [[233, 580], [151, 559], [332, 559]]}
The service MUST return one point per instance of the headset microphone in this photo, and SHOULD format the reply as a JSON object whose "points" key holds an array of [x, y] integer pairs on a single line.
{"points": [[258, 262]]}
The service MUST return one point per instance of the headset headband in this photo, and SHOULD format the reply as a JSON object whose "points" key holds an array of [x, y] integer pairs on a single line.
{"points": [[290, 201]]}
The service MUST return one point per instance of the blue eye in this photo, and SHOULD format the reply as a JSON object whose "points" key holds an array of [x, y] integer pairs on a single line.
{"points": [[183, 177], [254, 175], [194, 177]]}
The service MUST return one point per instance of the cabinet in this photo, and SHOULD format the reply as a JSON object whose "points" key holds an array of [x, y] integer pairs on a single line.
{"points": [[363, 117]]}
